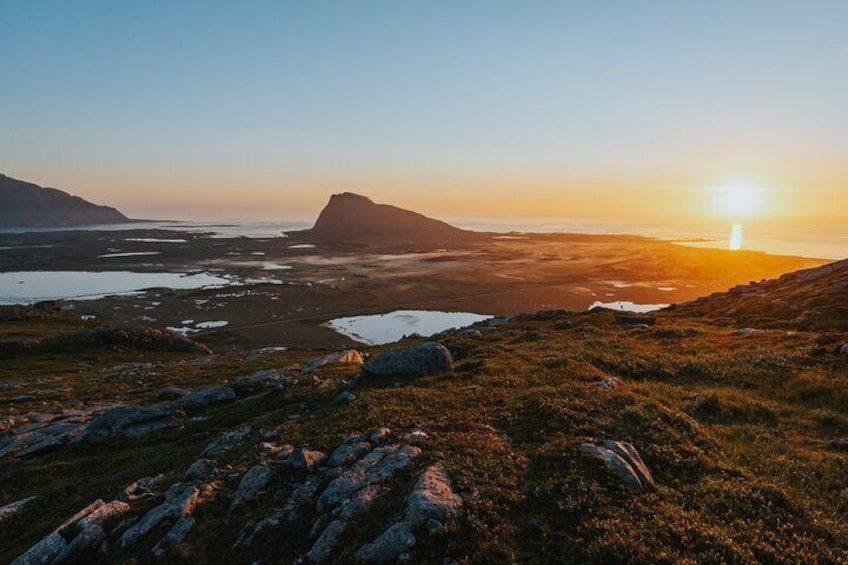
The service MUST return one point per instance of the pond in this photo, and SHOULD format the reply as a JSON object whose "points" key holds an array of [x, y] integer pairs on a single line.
{"points": [[627, 306], [387, 328], [27, 287]]}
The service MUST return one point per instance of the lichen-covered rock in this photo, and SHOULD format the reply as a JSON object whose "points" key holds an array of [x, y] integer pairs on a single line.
{"points": [[433, 498], [327, 542], [227, 441], [304, 460], [200, 471], [426, 358], [181, 503], [624, 460], [376, 467], [44, 552], [13, 508], [205, 397], [175, 535], [251, 484], [351, 356], [132, 421], [390, 545]]}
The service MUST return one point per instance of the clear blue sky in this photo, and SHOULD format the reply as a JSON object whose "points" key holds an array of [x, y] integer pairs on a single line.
{"points": [[264, 108]]}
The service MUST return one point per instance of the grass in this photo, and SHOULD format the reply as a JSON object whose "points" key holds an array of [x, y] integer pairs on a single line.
{"points": [[735, 430]]}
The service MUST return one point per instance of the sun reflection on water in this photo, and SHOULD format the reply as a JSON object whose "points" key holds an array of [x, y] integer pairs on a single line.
{"points": [[735, 237]]}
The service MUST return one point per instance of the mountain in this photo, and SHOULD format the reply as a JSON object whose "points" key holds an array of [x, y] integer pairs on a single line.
{"points": [[812, 299], [352, 216], [23, 204]]}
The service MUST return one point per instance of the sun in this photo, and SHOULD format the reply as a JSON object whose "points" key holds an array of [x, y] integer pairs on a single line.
{"points": [[739, 200]]}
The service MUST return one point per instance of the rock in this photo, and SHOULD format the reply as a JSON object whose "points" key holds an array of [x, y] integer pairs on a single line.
{"points": [[107, 512], [304, 460], [22, 398], [142, 488], [844, 350], [327, 542], [44, 552], [45, 445], [747, 332], [469, 332], [13, 508], [361, 502], [840, 444], [433, 498], [132, 421], [610, 383], [375, 468], [379, 435], [173, 392], [227, 441], [152, 339], [252, 482], [634, 319], [181, 504], [175, 535], [85, 542], [348, 453], [202, 470], [205, 397], [346, 396], [623, 459], [390, 545], [351, 356], [426, 358]]}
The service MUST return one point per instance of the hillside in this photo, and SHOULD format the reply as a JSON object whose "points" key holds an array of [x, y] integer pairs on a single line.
{"points": [[349, 216], [23, 204], [812, 299], [553, 437]]}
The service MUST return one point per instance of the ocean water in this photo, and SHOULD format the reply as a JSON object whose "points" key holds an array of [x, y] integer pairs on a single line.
{"points": [[825, 238]]}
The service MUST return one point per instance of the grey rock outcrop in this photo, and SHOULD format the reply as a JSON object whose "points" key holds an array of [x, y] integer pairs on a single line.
{"points": [[391, 544], [433, 498], [132, 421], [624, 460], [426, 358]]}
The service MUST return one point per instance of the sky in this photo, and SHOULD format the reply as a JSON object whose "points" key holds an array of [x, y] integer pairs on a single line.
{"points": [[264, 108]]}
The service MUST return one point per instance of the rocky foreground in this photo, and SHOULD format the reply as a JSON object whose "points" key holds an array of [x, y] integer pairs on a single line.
{"points": [[552, 437]]}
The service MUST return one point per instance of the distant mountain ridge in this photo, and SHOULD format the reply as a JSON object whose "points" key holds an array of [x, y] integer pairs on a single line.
{"points": [[24, 204], [353, 216]]}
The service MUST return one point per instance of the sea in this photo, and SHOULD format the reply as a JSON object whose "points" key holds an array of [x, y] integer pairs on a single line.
{"points": [[824, 238]]}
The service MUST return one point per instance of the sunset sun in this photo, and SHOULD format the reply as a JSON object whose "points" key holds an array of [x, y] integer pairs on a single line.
{"points": [[739, 201]]}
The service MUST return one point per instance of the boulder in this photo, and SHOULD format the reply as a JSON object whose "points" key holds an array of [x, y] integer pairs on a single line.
{"points": [[351, 356], [251, 484], [44, 552], [624, 460], [227, 441], [426, 358], [433, 498], [200, 471], [13, 508], [181, 503], [132, 421], [304, 460], [844, 350], [327, 542], [390, 545], [175, 535], [205, 397]]}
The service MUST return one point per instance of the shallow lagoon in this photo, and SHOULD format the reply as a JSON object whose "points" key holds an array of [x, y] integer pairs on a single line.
{"points": [[26, 287], [387, 328], [627, 306]]}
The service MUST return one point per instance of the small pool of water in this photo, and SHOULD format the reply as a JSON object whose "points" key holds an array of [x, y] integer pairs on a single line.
{"points": [[26, 287], [387, 328], [627, 306]]}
